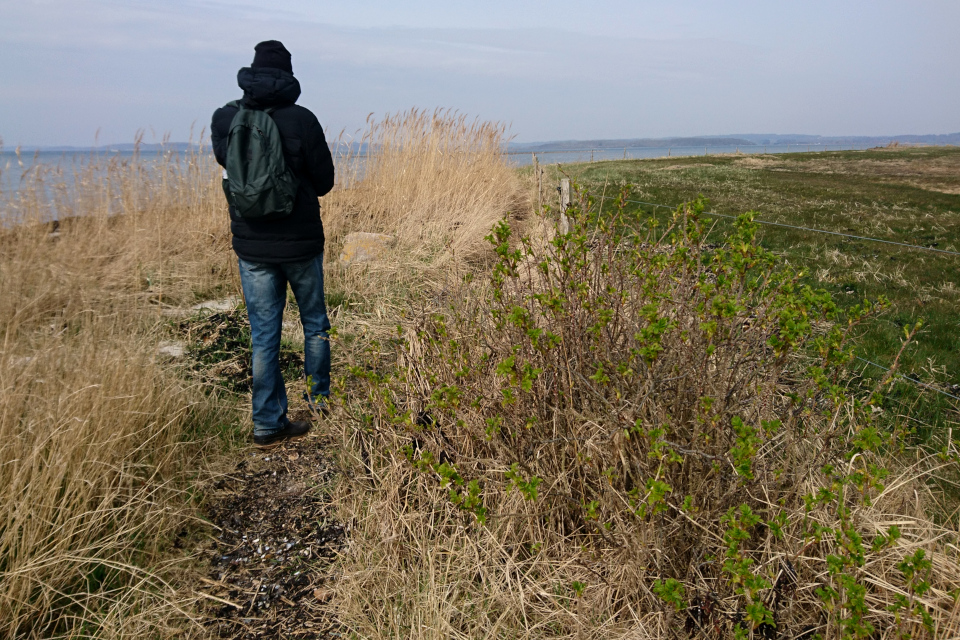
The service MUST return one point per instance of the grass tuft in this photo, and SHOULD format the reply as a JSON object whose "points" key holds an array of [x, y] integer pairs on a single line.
{"points": [[100, 435]]}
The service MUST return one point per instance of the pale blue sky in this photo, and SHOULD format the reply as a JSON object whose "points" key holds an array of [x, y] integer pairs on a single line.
{"points": [[551, 70]]}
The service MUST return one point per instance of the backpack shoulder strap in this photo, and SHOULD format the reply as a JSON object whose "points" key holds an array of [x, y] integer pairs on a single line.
{"points": [[238, 104]]}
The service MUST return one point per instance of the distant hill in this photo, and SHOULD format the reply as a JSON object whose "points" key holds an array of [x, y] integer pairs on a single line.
{"points": [[633, 143], [741, 140], [757, 138], [125, 147]]}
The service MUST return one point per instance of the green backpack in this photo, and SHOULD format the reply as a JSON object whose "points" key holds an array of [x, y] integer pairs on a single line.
{"points": [[257, 181]]}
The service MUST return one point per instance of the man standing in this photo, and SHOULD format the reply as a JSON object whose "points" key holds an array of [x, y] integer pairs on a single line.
{"points": [[279, 247]]}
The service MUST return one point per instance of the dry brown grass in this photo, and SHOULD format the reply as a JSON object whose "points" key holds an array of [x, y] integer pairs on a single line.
{"points": [[94, 444], [95, 430], [417, 568], [436, 181]]}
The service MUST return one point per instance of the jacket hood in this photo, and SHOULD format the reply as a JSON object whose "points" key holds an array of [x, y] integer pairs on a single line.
{"points": [[266, 87]]}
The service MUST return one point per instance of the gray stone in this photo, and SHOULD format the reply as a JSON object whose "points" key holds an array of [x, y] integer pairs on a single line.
{"points": [[227, 304], [362, 246], [172, 349]]}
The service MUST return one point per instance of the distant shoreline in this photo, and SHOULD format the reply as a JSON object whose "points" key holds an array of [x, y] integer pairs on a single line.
{"points": [[742, 140], [737, 140], [127, 147]]}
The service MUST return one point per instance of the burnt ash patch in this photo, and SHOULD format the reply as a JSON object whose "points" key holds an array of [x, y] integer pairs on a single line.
{"points": [[272, 555]]}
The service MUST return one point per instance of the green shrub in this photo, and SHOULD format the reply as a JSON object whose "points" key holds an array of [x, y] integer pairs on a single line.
{"points": [[678, 410]]}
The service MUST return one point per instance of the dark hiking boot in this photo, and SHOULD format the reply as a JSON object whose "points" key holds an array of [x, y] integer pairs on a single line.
{"points": [[289, 432]]}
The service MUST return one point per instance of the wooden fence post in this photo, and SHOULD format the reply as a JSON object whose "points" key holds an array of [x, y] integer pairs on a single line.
{"points": [[564, 203], [538, 172]]}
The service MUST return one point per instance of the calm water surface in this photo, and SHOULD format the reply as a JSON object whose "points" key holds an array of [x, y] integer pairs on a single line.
{"points": [[59, 174]]}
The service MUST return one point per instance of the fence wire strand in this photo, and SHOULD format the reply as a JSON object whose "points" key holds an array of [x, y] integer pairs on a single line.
{"points": [[908, 378], [846, 235], [811, 229]]}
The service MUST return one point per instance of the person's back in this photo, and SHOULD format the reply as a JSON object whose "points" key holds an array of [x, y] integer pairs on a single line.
{"points": [[298, 236], [278, 249]]}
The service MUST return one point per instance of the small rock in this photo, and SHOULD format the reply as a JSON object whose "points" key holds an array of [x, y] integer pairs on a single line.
{"points": [[227, 304], [174, 312], [362, 246], [172, 349]]}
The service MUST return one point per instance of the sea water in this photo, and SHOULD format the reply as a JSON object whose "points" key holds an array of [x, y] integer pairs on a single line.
{"points": [[53, 178]]}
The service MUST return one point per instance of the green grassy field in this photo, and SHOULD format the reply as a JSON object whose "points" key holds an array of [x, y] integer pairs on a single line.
{"points": [[909, 195]]}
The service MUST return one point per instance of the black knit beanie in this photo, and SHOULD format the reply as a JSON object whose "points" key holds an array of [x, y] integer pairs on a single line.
{"points": [[272, 54]]}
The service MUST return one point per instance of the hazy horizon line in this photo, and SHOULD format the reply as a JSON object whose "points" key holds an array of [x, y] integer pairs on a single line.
{"points": [[744, 138]]}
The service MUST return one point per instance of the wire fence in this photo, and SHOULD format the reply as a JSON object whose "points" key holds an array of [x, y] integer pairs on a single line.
{"points": [[810, 229], [908, 378], [901, 376]]}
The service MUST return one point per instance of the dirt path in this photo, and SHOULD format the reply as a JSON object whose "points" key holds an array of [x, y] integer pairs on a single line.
{"points": [[272, 553]]}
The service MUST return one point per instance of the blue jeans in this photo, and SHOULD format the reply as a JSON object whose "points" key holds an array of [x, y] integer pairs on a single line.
{"points": [[265, 291]]}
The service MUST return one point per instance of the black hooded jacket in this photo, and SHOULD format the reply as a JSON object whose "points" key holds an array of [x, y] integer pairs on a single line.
{"points": [[298, 236]]}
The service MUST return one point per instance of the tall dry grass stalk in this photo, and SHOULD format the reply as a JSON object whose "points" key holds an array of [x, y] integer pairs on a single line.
{"points": [[437, 182], [94, 428]]}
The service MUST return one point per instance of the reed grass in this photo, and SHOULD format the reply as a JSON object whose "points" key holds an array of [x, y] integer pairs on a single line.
{"points": [[435, 181], [98, 435]]}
